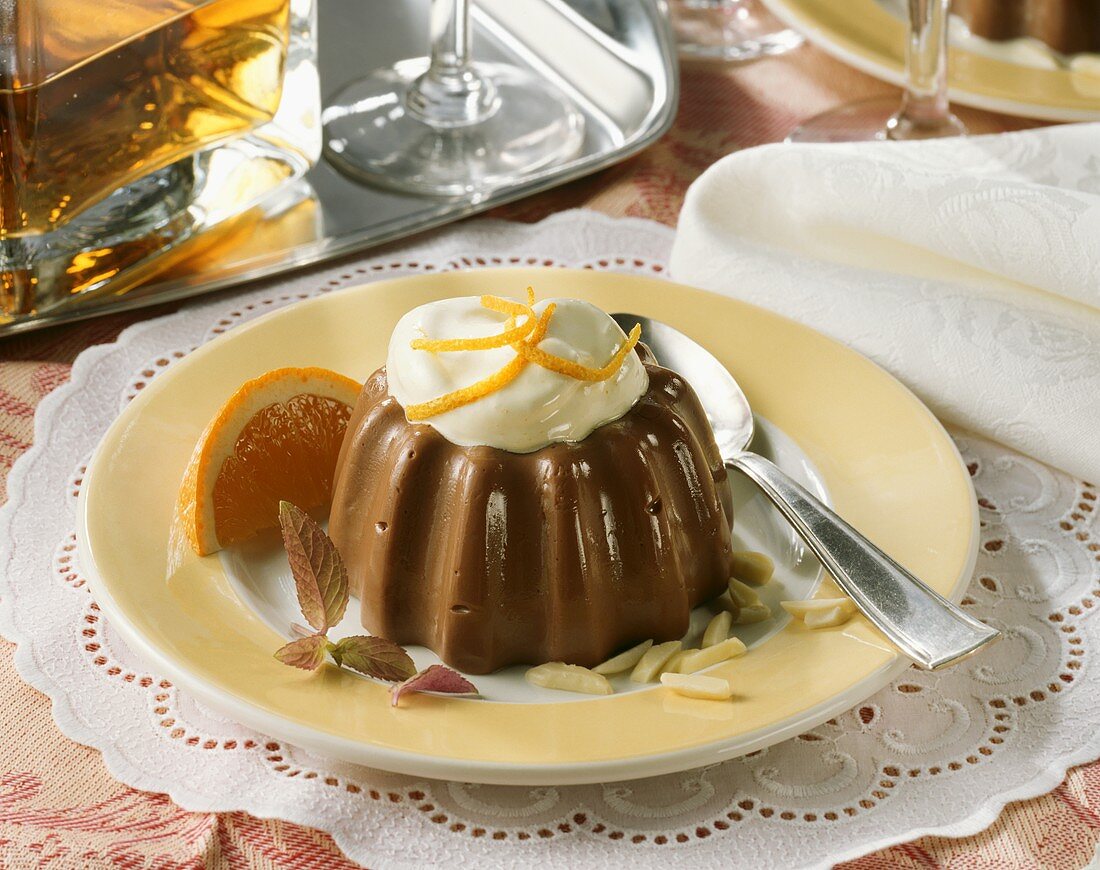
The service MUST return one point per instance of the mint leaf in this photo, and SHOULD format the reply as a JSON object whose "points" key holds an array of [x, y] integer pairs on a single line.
{"points": [[374, 656], [307, 653], [437, 678], [318, 570]]}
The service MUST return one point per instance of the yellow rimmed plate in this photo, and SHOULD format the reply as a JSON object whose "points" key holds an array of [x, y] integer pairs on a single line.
{"points": [[884, 460], [863, 34]]}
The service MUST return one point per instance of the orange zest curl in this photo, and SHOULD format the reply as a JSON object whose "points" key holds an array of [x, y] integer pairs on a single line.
{"points": [[482, 388], [506, 306], [576, 370], [511, 335], [524, 339]]}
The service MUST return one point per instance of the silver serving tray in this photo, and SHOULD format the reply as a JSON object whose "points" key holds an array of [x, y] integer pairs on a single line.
{"points": [[615, 57]]}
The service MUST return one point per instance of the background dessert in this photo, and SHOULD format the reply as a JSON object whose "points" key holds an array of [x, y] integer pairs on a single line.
{"points": [[1067, 26]]}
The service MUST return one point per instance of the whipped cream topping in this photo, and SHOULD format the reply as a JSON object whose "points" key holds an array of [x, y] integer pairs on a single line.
{"points": [[539, 407]]}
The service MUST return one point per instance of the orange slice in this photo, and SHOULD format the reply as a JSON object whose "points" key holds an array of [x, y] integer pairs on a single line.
{"points": [[278, 437]]}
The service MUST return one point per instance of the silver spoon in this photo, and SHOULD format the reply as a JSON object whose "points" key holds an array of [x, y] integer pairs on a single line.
{"points": [[922, 623]]}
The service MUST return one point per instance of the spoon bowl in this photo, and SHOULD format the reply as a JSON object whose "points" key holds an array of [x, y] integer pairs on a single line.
{"points": [[732, 420]]}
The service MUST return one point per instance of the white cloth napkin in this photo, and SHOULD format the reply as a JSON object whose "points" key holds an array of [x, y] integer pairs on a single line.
{"points": [[969, 268]]}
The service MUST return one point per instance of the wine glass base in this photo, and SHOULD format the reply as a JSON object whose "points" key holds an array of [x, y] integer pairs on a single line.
{"points": [[371, 135], [732, 30], [871, 120]]}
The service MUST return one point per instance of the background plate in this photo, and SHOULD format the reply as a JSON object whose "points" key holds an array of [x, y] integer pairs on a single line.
{"points": [[865, 35], [882, 456]]}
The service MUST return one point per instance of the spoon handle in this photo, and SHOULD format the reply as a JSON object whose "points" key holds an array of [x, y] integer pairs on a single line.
{"points": [[922, 623]]}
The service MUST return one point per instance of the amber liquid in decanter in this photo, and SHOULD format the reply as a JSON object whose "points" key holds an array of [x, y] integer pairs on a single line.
{"points": [[109, 94]]}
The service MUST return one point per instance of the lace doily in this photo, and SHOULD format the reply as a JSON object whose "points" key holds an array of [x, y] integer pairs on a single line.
{"points": [[933, 753]]}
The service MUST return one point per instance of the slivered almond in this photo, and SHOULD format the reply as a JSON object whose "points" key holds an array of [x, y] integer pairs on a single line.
{"points": [[655, 658], [672, 666], [821, 612], [826, 618], [743, 594], [753, 568], [718, 629], [569, 678], [698, 686], [757, 612], [696, 660], [624, 661], [798, 609]]}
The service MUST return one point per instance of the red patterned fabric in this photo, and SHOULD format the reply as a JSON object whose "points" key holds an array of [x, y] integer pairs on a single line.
{"points": [[60, 808]]}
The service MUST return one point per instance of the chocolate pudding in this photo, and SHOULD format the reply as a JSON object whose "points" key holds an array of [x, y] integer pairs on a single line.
{"points": [[566, 553]]}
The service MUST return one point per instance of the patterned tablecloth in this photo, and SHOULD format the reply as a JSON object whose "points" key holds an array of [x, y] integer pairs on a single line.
{"points": [[60, 808]]}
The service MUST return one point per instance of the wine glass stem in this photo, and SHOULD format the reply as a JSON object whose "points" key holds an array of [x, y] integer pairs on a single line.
{"points": [[925, 101], [450, 34], [451, 93]]}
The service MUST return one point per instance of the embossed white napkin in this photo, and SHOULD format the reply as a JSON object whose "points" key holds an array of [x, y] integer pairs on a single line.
{"points": [[969, 268]]}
